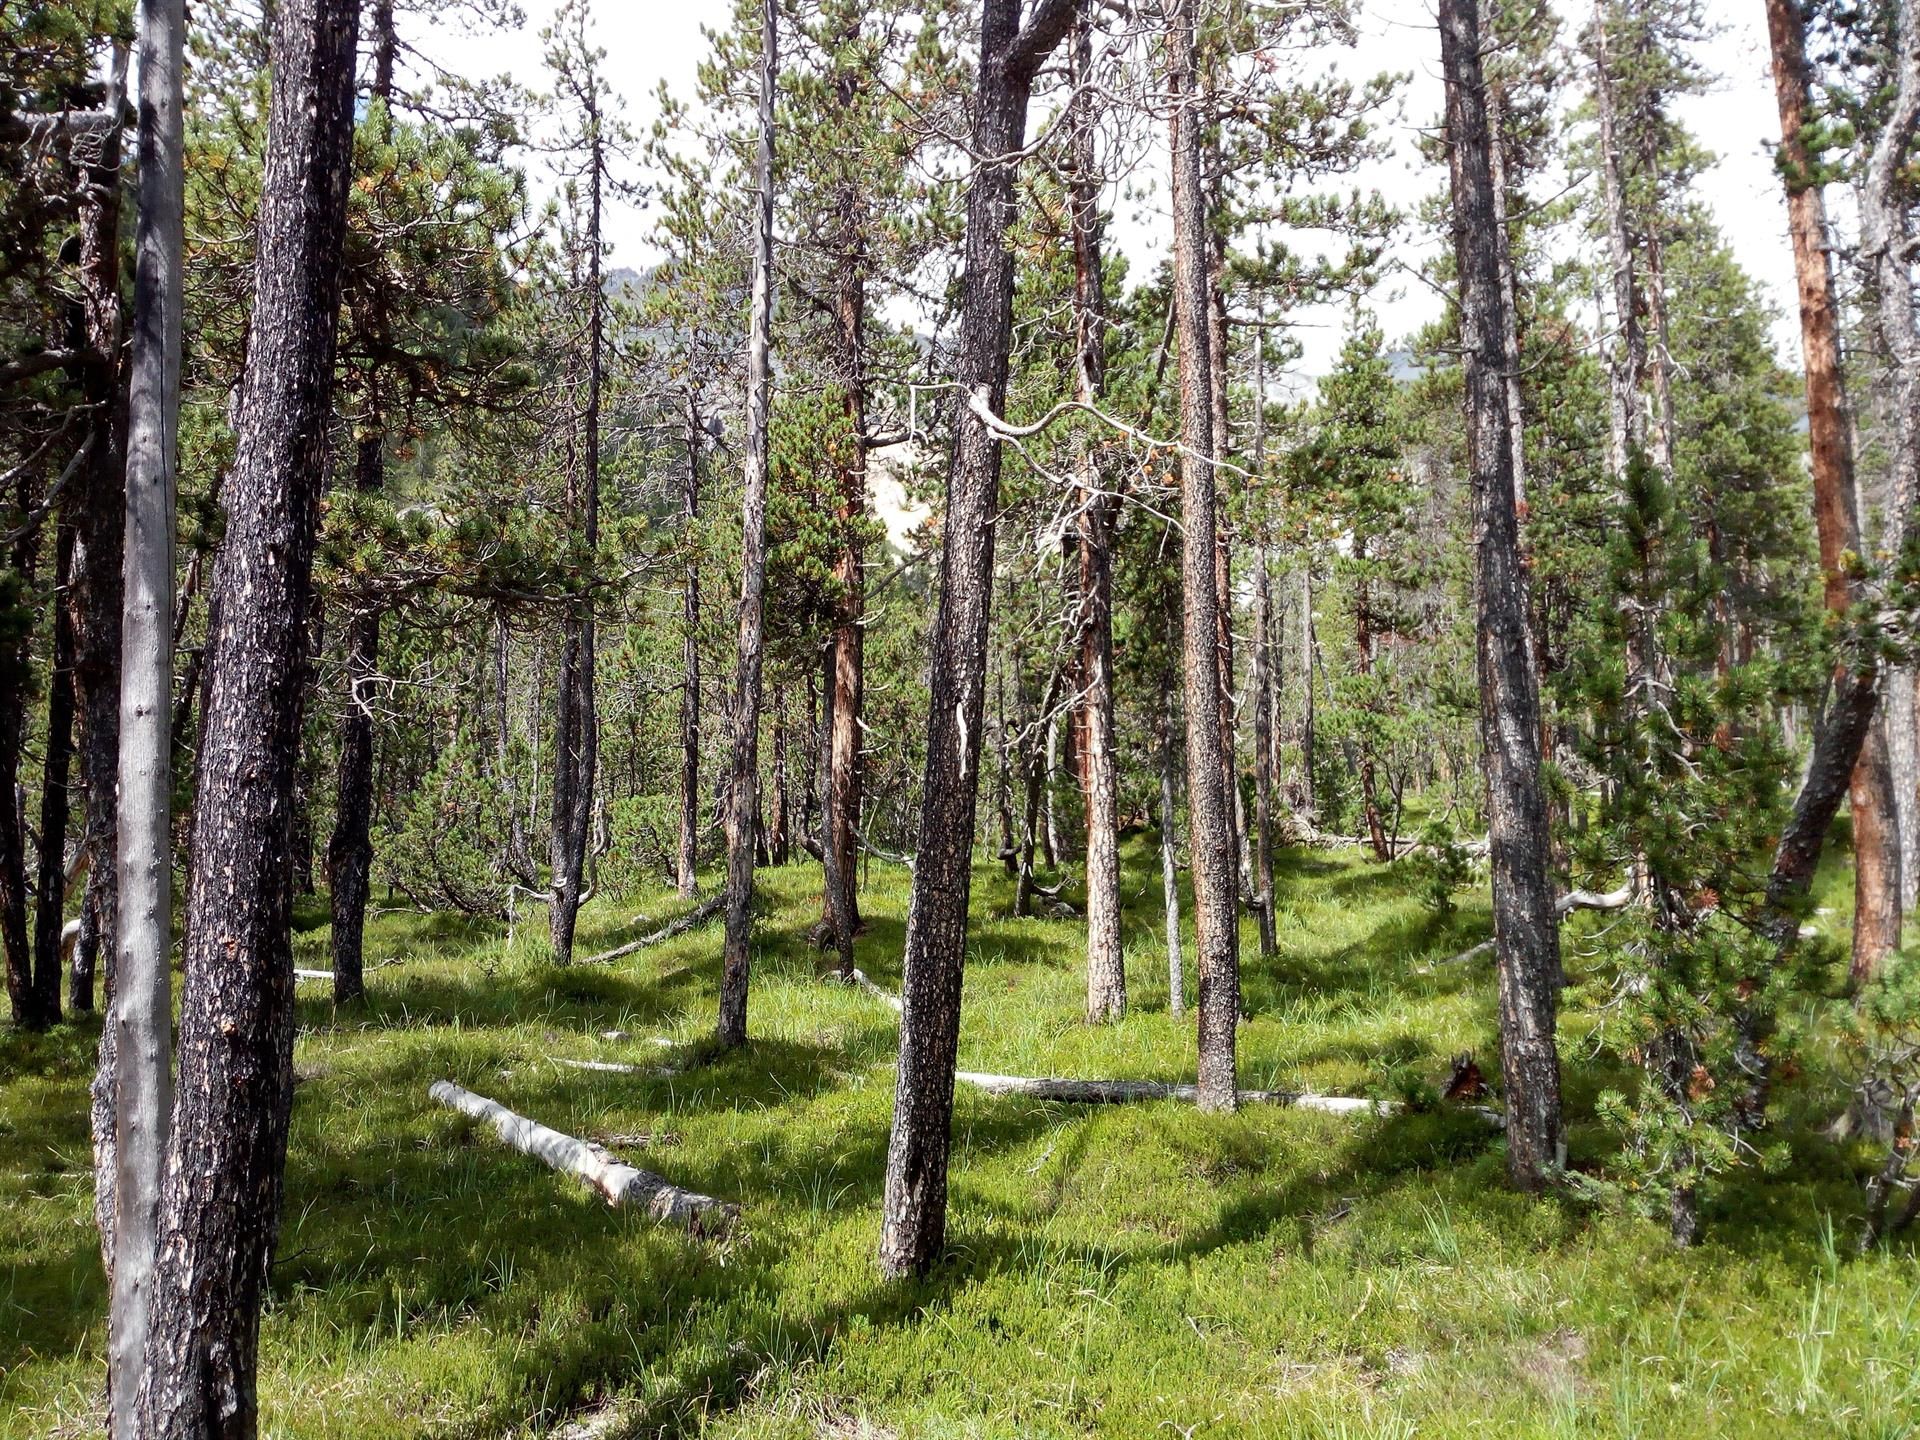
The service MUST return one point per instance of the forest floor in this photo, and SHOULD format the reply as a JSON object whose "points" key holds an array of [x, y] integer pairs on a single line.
{"points": [[1125, 1271]]}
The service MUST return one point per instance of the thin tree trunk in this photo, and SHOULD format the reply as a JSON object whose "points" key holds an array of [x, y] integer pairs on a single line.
{"points": [[1170, 860], [1263, 751], [778, 841], [1884, 816], [56, 799], [135, 1083], [576, 751], [1526, 928], [1309, 660], [1209, 806], [1363, 649], [15, 937], [686, 856], [1106, 963], [99, 518], [743, 803], [350, 848], [220, 1202], [914, 1218]]}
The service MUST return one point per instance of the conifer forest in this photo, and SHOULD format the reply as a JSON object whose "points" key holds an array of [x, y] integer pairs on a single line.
{"points": [[956, 719]]}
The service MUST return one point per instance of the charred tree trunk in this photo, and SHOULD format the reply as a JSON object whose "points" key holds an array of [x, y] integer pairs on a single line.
{"points": [[1209, 805], [1363, 650], [220, 1202], [1308, 661], [1526, 928], [743, 806], [914, 1219], [1263, 751]]}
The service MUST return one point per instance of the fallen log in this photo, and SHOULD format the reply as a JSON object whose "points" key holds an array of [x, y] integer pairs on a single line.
{"points": [[700, 914], [1133, 1092], [1568, 903], [624, 1186], [861, 979]]}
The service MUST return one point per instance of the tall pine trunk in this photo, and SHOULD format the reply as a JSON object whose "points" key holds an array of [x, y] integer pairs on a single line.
{"points": [[1209, 805], [742, 805], [1526, 929], [1106, 963], [1834, 767], [135, 1079], [915, 1208], [576, 745], [220, 1201]]}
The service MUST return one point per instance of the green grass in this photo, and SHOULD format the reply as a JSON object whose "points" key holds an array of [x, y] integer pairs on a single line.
{"points": [[1139, 1271]]}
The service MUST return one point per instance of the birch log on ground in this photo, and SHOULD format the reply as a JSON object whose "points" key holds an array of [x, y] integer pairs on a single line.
{"points": [[1134, 1092], [699, 915], [624, 1186]]}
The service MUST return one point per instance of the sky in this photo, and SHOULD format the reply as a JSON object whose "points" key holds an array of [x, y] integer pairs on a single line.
{"points": [[649, 42]]}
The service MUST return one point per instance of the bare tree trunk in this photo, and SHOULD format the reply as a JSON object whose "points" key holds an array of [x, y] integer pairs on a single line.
{"points": [[350, 847], [1263, 751], [687, 854], [1308, 660], [1263, 667], [99, 517], [743, 797], [1363, 650], [56, 801], [15, 937], [135, 1083], [1526, 928], [220, 1202], [778, 840], [1209, 806], [914, 1223], [1883, 816], [576, 746], [1170, 861]]}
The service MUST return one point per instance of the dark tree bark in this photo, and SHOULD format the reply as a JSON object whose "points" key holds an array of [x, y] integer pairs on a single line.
{"points": [[220, 1200], [1209, 803], [1526, 928], [1099, 782], [743, 806], [1309, 659], [1263, 749], [915, 1213], [779, 842], [14, 936], [350, 848], [56, 800]]}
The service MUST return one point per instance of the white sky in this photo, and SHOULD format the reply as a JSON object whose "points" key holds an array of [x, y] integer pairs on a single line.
{"points": [[648, 42]]}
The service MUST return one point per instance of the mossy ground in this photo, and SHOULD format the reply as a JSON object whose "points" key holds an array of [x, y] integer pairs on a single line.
{"points": [[1139, 1271]]}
